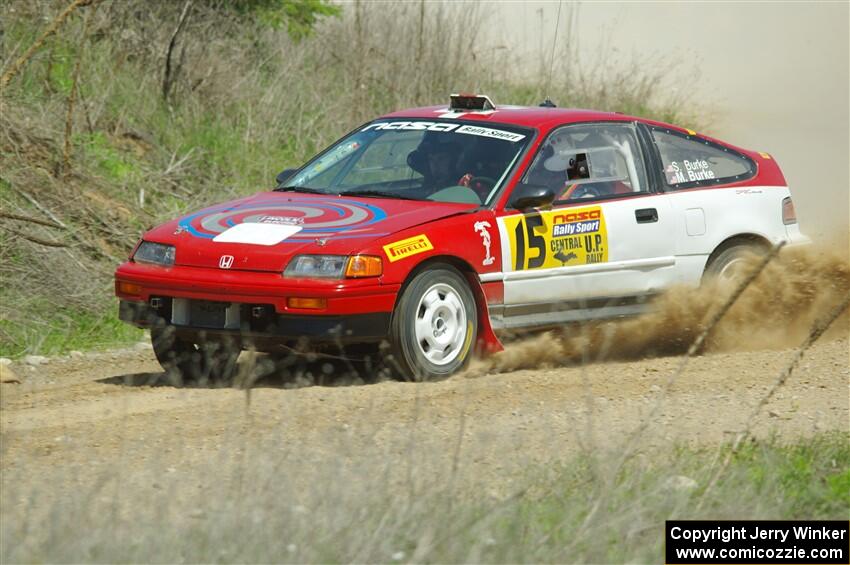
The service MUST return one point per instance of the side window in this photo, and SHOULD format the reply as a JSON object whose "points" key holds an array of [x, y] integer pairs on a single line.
{"points": [[689, 162], [589, 161]]}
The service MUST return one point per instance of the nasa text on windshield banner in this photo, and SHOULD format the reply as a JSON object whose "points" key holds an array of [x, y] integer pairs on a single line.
{"points": [[695, 542]]}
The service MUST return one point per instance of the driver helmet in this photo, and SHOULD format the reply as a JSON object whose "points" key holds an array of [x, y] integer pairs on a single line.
{"points": [[491, 157], [432, 143]]}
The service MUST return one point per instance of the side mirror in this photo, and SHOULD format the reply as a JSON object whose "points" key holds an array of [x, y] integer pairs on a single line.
{"points": [[527, 196], [284, 175]]}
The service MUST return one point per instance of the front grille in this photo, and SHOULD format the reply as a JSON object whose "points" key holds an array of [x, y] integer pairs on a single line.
{"points": [[208, 314], [205, 314]]}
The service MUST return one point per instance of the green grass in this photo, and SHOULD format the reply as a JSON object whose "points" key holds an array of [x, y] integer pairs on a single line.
{"points": [[117, 166], [823, 466], [60, 331], [61, 72]]}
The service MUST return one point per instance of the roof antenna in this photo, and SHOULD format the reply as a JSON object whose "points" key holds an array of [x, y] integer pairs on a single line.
{"points": [[548, 102]]}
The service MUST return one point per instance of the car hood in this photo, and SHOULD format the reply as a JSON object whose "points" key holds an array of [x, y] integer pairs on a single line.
{"points": [[262, 232]]}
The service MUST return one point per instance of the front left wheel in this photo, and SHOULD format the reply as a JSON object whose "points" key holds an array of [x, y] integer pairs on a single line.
{"points": [[434, 325]]}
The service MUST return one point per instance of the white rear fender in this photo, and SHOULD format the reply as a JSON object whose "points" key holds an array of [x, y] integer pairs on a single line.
{"points": [[706, 218]]}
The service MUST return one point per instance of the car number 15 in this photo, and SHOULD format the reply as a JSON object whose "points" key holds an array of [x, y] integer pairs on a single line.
{"points": [[557, 238]]}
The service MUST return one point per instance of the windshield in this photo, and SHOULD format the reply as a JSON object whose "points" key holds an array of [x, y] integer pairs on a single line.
{"points": [[442, 161]]}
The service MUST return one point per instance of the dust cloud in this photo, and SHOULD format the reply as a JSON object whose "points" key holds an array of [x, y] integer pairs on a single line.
{"points": [[778, 310], [734, 66]]}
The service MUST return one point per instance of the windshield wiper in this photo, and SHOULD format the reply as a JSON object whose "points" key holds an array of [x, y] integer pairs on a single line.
{"points": [[299, 189], [376, 194]]}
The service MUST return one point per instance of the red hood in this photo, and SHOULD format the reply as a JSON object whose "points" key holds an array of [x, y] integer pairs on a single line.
{"points": [[323, 224]]}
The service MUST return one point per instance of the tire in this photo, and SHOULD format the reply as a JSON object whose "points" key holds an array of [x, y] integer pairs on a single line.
{"points": [[434, 325], [730, 265], [204, 362]]}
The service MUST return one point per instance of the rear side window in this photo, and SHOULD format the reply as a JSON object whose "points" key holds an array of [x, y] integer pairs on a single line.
{"points": [[690, 162]]}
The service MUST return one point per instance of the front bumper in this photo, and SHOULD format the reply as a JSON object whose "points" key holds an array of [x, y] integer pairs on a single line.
{"points": [[356, 310], [261, 327]]}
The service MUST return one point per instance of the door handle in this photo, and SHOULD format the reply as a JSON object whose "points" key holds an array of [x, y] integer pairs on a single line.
{"points": [[646, 215]]}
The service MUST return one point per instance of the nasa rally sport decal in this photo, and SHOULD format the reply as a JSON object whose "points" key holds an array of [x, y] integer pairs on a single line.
{"points": [[447, 127], [557, 238], [314, 217]]}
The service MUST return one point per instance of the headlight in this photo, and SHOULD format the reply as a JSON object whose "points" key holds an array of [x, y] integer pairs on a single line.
{"points": [[334, 267], [155, 253], [316, 267]]}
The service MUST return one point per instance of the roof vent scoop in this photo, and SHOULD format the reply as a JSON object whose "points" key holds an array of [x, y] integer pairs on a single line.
{"points": [[548, 103], [471, 103]]}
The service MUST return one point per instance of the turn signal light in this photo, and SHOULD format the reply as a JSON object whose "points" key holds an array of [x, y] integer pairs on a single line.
{"points": [[311, 303], [129, 288], [364, 266]]}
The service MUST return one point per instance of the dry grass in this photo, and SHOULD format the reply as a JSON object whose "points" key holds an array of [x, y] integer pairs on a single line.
{"points": [[260, 503], [247, 102], [244, 102]]}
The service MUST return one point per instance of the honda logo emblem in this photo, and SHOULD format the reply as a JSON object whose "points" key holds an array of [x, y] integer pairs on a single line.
{"points": [[225, 262]]}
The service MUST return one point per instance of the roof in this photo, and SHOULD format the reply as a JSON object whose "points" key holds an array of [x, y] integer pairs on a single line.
{"points": [[528, 116], [546, 118]]}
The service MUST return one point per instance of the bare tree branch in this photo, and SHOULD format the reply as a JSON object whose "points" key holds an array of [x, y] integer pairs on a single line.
{"points": [[72, 98], [38, 205], [169, 77], [54, 26], [20, 218], [34, 239]]}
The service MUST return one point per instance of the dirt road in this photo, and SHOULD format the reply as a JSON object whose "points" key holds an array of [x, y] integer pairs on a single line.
{"points": [[70, 420]]}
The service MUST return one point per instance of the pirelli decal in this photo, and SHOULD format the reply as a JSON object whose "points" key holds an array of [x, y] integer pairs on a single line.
{"points": [[407, 247], [557, 238]]}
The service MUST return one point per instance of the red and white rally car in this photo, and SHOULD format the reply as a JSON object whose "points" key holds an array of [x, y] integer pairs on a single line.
{"points": [[433, 228]]}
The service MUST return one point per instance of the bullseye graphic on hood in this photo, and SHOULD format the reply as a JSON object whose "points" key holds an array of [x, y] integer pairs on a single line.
{"points": [[317, 218]]}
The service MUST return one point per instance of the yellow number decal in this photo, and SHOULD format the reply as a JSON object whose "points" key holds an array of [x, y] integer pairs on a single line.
{"points": [[558, 238]]}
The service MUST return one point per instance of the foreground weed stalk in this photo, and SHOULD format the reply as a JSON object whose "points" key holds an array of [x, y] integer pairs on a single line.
{"points": [[718, 315], [631, 445], [816, 332]]}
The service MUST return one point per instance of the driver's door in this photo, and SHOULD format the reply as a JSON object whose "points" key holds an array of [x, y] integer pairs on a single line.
{"points": [[607, 241]]}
